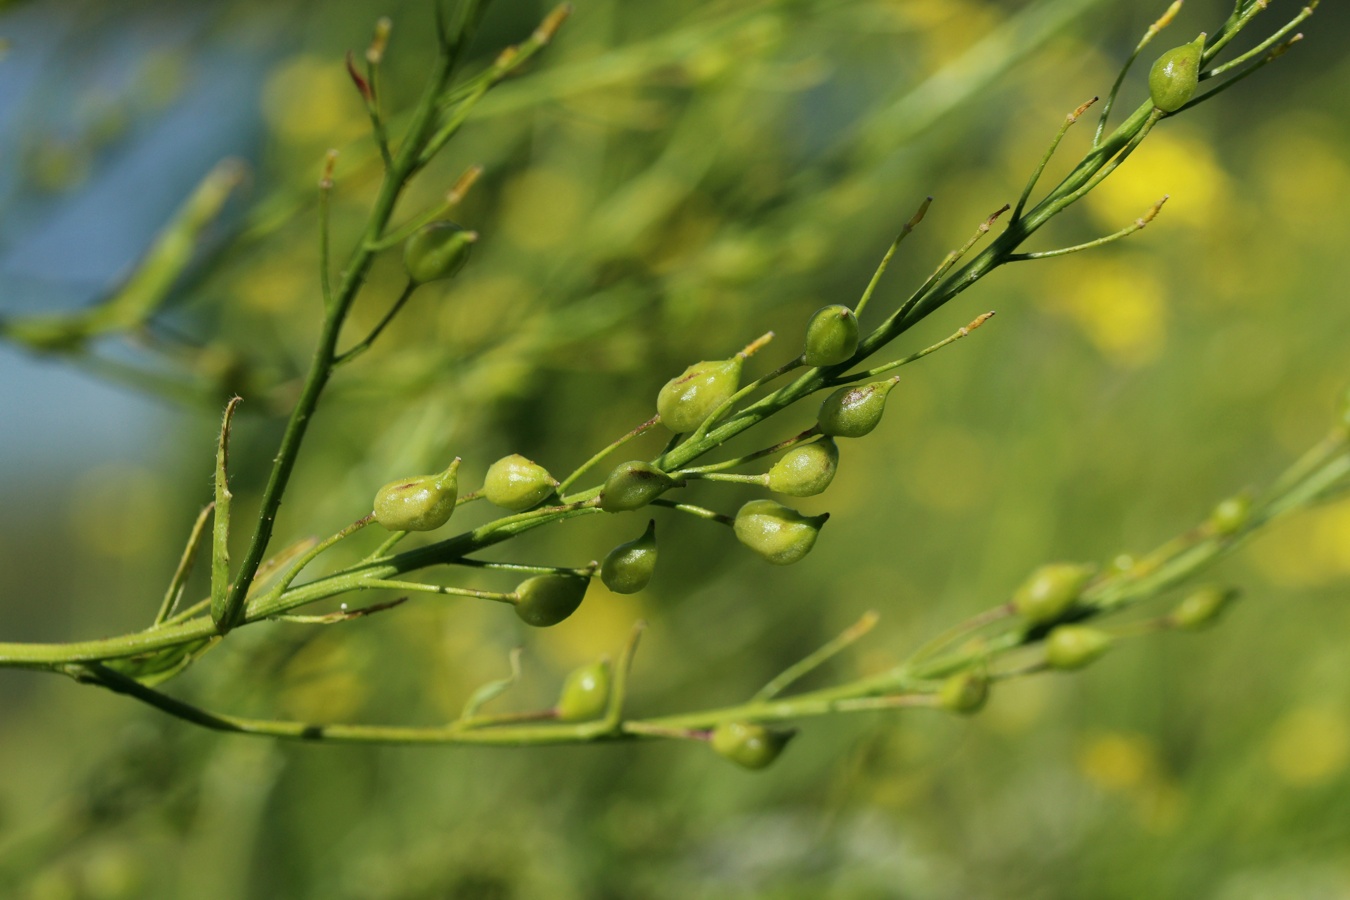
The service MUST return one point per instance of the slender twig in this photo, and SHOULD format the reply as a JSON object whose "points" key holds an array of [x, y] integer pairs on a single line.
{"points": [[180, 576], [909, 226]]}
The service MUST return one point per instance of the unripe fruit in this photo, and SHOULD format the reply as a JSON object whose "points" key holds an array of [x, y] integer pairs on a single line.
{"points": [[628, 567], [964, 693], [516, 483], [1050, 591], [1074, 646], [420, 503], [854, 411], [831, 336], [805, 471], [1175, 75], [778, 534], [632, 485], [751, 746], [546, 600], [437, 251], [1201, 607], [585, 693], [689, 398], [1231, 516]]}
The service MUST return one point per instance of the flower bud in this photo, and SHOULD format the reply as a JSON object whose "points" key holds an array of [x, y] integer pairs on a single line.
{"points": [[831, 336], [964, 693], [437, 251], [1201, 607], [689, 398], [585, 693], [633, 485], [1175, 75], [628, 567], [777, 533], [854, 411], [1050, 591], [748, 745], [805, 471], [1074, 646], [1231, 515], [420, 503], [546, 600], [516, 483]]}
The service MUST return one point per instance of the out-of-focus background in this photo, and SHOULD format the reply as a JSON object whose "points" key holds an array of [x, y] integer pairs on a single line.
{"points": [[667, 182]]}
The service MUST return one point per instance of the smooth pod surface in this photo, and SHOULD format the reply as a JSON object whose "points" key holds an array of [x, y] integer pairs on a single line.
{"points": [[1202, 607], [628, 567], [419, 503], [690, 397], [831, 336], [806, 470], [585, 693], [1050, 591], [779, 534], [854, 411], [632, 485], [1070, 647], [1175, 76], [546, 600], [747, 745], [437, 251], [516, 483]]}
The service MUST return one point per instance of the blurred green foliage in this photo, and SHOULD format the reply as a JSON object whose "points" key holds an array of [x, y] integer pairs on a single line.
{"points": [[669, 181]]}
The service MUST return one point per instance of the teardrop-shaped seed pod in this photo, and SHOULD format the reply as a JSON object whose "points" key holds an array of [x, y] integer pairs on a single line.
{"points": [[628, 567], [437, 251], [748, 745], [1231, 515], [1175, 75], [777, 533], [1050, 591], [806, 470], [546, 600], [965, 693], [419, 503], [585, 693], [632, 485], [690, 397], [1070, 647], [516, 483], [831, 336], [1202, 607], [854, 411]]}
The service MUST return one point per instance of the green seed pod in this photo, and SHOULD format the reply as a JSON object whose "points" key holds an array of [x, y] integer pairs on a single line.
{"points": [[628, 567], [516, 483], [805, 471], [748, 745], [437, 251], [585, 693], [633, 485], [1201, 607], [420, 503], [777, 533], [1175, 75], [1074, 646], [1050, 591], [689, 398], [964, 693], [854, 411], [831, 336], [1231, 516], [546, 600]]}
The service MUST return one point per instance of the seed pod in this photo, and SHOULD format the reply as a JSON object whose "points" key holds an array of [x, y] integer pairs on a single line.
{"points": [[805, 471], [777, 533], [516, 483], [632, 485], [1050, 591], [546, 600], [689, 398], [831, 336], [438, 250], [964, 693], [1231, 515], [1175, 75], [749, 745], [854, 411], [1201, 607], [628, 567], [420, 503], [1074, 646], [585, 693]]}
